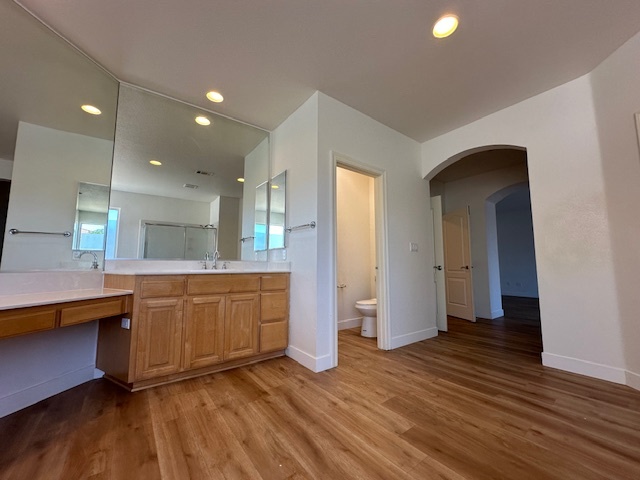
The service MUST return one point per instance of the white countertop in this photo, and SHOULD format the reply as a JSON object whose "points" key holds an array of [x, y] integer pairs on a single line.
{"points": [[8, 302], [191, 267], [231, 271]]}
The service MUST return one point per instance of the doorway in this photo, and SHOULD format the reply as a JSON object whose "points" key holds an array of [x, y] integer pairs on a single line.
{"points": [[360, 258], [477, 183]]}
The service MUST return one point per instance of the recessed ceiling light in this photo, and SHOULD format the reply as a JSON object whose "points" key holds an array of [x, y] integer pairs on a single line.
{"points": [[155, 162], [445, 26], [202, 120], [241, 180], [91, 109], [214, 96]]}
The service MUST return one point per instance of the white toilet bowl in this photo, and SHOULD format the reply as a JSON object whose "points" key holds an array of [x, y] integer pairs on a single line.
{"points": [[369, 311]]}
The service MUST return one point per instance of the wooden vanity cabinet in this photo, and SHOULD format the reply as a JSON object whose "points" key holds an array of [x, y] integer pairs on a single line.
{"points": [[159, 345], [188, 325], [274, 313], [204, 331]]}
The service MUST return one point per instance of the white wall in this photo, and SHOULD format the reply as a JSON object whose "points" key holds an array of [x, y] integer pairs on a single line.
{"points": [[577, 282], [355, 249], [616, 96], [39, 365], [515, 246], [135, 207], [473, 192], [304, 145], [6, 167], [411, 300], [295, 149], [48, 165]]}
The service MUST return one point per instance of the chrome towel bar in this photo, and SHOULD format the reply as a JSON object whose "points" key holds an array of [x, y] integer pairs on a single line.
{"points": [[15, 231], [300, 227]]}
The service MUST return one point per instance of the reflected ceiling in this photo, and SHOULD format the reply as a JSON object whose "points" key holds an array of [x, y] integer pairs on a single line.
{"points": [[43, 81], [152, 127]]}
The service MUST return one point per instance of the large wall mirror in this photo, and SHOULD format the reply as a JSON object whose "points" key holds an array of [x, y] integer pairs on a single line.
{"points": [[49, 146], [184, 181]]}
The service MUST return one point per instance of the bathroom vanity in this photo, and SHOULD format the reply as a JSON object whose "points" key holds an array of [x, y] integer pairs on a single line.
{"points": [[37, 312], [191, 324]]}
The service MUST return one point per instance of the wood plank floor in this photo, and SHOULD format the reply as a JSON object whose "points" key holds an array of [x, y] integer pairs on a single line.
{"points": [[474, 403]]}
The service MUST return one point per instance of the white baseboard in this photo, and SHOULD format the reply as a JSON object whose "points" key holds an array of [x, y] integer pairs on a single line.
{"points": [[24, 398], [315, 364], [497, 313], [402, 340], [633, 380], [584, 367], [350, 323]]}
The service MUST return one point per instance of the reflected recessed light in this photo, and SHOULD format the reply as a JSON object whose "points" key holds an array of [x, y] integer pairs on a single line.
{"points": [[445, 26], [91, 109], [155, 162], [241, 180], [214, 96], [274, 186], [202, 120]]}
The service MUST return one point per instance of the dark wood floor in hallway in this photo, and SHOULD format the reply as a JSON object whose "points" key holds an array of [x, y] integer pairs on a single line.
{"points": [[474, 403]]}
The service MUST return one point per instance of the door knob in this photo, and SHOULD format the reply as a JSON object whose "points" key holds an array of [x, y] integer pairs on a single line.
{"points": [[342, 285], [466, 267], [438, 267]]}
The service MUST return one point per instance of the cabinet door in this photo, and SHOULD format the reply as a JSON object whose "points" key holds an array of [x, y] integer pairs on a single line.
{"points": [[204, 331], [159, 342], [241, 326]]}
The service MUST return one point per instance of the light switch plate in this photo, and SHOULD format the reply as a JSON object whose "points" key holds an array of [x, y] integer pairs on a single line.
{"points": [[126, 323], [413, 247]]}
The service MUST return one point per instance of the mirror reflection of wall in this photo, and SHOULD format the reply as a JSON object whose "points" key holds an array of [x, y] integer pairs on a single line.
{"points": [[194, 177], [277, 211], [48, 144]]}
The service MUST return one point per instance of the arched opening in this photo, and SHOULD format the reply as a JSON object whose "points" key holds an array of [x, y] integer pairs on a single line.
{"points": [[477, 187]]}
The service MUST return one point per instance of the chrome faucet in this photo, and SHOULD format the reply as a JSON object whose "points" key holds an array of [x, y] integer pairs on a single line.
{"points": [[94, 265], [208, 256]]}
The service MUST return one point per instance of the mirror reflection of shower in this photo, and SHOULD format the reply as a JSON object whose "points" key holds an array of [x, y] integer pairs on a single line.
{"points": [[169, 241]]}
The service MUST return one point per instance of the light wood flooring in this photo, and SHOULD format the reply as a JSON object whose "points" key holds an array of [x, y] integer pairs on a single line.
{"points": [[474, 403]]}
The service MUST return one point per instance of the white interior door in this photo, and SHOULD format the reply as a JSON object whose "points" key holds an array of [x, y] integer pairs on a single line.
{"points": [[457, 261], [438, 267]]}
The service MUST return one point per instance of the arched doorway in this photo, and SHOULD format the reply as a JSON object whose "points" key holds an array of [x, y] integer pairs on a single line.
{"points": [[476, 181]]}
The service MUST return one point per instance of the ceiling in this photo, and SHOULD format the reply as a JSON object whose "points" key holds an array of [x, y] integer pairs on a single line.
{"points": [[379, 57]]}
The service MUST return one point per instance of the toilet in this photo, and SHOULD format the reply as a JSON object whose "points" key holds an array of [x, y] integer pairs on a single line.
{"points": [[369, 311]]}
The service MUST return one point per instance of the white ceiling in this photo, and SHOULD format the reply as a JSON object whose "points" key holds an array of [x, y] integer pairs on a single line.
{"points": [[267, 57]]}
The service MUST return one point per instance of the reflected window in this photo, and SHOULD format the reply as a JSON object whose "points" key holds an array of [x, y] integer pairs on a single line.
{"points": [[260, 240], [276, 236], [90, 237], [113, 220]]}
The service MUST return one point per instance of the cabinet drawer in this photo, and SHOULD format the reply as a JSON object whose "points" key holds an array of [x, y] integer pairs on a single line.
{"points": [[274, 282], [93, 310], [274, 306], [28, 320], [274, 336], [220, 284], [166, 286]]}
